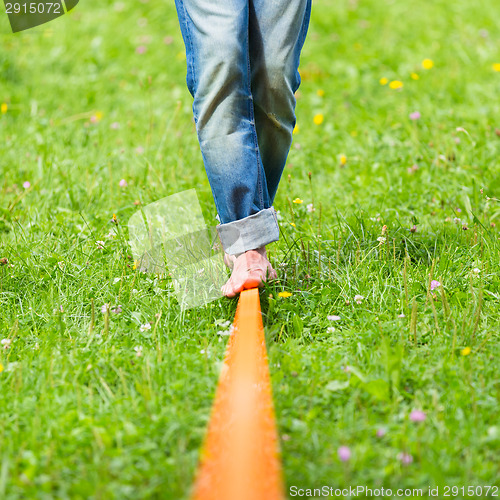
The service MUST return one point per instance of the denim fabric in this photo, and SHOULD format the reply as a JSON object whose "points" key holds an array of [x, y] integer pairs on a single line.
{"points": [[242, 71]]}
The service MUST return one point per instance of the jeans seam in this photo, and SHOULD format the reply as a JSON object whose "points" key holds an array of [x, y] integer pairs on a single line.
{"points": [[305, 25], [190, 62], [252, 124]]}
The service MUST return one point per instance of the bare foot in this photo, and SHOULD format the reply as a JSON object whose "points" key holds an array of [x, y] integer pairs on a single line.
{"points": [[250, 270], [229, 260]]}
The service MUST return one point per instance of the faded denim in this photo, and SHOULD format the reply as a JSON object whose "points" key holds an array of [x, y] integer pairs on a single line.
{"points": [[242, 71]]}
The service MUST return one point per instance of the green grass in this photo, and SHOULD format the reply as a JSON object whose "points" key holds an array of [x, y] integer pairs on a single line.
{"points": [[82, 416]]}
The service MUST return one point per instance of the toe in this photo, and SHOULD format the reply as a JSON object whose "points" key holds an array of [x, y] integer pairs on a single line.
{"points": [[228, 290], [252, 282]]}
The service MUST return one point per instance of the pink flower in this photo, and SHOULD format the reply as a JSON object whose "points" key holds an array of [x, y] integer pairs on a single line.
{"points": [[141, 49], [123, 183], [26, 184], [344, 453], [168, 40], [405, 458], [417, 416], [139, 150], [381, 432], [415, 115], [435, 284], [115, 125]]}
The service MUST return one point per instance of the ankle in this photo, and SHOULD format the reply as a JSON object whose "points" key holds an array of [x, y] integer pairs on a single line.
{"points": [[261, 250]]}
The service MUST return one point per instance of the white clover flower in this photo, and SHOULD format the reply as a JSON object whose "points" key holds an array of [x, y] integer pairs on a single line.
{"points": [[100, 244], [330, 329], [358, 299], [381, 240], [138, 350], [333, 317], [476, 270], [144, 327], [6, 343], [310, 208]]}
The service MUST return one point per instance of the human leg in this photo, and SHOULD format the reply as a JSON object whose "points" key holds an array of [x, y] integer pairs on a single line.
{"points": [[218, 77], [277, 32], [276, 37]]}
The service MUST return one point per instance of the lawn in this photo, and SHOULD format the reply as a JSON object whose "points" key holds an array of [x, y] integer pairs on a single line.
{"points": [[383, 354]]}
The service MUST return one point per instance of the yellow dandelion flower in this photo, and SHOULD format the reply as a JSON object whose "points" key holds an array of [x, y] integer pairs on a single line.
{"points": [[343, 159], [466, 351], [414, 76], [496, 67], [1, 368], [136, 262], [4, 107], [320, 92], [318, 119], [296, 129], [98, 115], [396, 84], [427, 63], [384, 81], [293, 224], [284, 294], [298, 200]]}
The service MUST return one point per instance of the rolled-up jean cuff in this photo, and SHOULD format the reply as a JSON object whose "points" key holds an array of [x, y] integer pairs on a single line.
{"points": [[250, 232]]}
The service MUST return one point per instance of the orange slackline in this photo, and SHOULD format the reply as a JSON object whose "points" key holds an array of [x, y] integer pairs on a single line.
{"points": [[240, 459]]}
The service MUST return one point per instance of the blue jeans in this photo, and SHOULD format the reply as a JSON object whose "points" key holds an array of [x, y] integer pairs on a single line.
{"points": [[242, 71]]}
